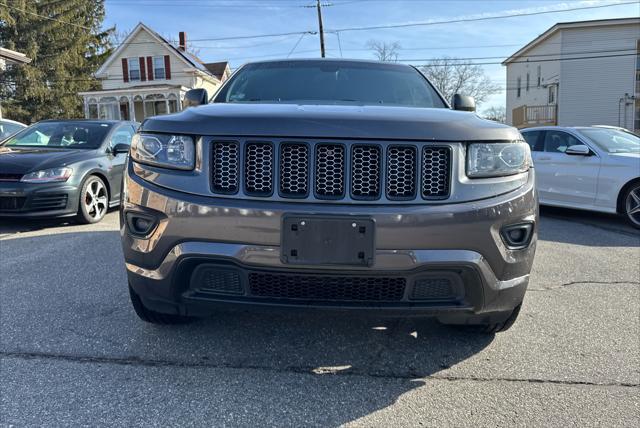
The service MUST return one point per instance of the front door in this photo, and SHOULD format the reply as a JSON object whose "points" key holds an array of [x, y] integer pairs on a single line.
{"points": [[561, 178]]}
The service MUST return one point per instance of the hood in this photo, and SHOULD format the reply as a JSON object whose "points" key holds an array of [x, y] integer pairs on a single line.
{"points": [[331, 121], [632, 155], [21, 160]]}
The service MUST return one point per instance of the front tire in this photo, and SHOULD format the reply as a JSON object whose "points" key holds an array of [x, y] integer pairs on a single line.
{"points": [[94, 200], [632, 205], [153, 317]]}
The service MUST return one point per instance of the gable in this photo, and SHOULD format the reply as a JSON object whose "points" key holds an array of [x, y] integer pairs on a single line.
{"points": [[141, 42]]}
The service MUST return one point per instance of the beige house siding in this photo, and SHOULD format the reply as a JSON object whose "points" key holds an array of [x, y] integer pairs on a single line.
{"points": [[550, 74], [591, 89], [587, 90]]}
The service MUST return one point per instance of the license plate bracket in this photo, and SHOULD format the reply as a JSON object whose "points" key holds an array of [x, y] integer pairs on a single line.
{"points": [[328, 240]]}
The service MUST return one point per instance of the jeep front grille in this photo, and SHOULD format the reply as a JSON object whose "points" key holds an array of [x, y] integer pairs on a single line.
{"points": [[258, 172], [331, 171], [225, 167]]}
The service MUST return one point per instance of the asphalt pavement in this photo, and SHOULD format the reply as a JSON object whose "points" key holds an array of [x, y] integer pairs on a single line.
{"points": [[72, 352]]}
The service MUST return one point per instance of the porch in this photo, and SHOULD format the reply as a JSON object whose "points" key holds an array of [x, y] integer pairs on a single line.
{"points": [[136, 103], [527, 116]]}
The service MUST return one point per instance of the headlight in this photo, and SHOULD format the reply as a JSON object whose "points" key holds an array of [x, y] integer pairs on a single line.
{"points": [[48, 175], [497, 159], [164, 150]]}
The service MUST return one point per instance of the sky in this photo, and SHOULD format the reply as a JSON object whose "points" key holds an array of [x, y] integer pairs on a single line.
{"points": [[494, 38]]}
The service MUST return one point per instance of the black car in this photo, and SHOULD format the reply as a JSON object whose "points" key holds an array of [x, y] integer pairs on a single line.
{"points": [[63, 168]]}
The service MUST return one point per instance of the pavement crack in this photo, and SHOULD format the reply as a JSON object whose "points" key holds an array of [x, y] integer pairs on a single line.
{"points": [[305, 370]]}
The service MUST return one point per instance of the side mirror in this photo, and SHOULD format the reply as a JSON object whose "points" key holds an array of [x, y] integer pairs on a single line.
{"points": [[464, 103], [120, 148], [195, 97], [578, 150]]}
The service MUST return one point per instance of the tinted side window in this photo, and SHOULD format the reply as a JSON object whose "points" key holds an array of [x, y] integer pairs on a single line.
{"points": [[122, 135], [558, 141], [533, 139]]}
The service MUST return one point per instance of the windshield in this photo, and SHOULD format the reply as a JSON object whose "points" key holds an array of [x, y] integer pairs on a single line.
{"points": [[65, 135], [613, 140], [322, 82]]}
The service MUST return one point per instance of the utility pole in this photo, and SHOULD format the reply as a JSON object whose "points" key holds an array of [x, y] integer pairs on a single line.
{"points": [[319, 7]]}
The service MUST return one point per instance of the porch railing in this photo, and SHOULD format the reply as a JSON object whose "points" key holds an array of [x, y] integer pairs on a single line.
{"points": [[527, 116]]}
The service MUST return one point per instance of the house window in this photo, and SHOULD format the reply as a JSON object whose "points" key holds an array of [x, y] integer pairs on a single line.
{"points": [[518, 87], [173, 103], [134, 69], [158, 68], [552, 94], [93, 108], [539, 79], [528, 80]]}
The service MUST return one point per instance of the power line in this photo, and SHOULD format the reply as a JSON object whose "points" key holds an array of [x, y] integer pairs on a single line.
{"points": [[562, 54], [481, 18], [416, 65], [295, 46]]}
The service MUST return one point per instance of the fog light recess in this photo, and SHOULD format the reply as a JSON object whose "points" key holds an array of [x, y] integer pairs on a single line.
{"points": [[140, 224], [517, 236]]}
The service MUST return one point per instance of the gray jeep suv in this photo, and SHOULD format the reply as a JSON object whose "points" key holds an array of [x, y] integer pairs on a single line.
{"points": [[339, 185]]}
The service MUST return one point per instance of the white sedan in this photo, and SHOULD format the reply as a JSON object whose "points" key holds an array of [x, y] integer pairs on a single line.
{"points": [[591, 168]]}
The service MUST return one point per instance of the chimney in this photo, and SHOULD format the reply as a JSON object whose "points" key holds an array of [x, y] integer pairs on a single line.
{"points": [[182, 45]]}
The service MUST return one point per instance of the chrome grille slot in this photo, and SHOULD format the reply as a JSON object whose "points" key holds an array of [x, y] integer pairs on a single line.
{"points": [[225, 169], [329, 170], [294, 169], [401, 172], [365, 172], [258, 168], [436, 164]]}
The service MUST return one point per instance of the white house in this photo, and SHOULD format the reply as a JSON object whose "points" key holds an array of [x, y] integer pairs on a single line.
{"points": [[147, 76], [8, 56], [577, 74]]}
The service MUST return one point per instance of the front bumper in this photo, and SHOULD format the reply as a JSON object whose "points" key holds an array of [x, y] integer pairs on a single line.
{"points": [[38, 200], [457, 241]]}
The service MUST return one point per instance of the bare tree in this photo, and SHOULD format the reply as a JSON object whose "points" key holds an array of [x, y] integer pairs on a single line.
{"points": [[451, 76], [497, 114], [384, 51]]}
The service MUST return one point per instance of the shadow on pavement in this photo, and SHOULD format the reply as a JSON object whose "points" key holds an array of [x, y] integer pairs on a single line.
{"points": [[75, 305], [587, 228]]}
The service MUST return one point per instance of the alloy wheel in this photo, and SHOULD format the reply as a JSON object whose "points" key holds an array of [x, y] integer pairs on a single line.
{"points": [[95, 200], [633, 206]]}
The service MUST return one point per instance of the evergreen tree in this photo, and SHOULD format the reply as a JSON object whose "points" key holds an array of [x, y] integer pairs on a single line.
{"points": [[65, 41]]}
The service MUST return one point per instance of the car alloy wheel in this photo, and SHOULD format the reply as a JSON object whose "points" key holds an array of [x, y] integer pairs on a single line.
{"points": [[95, 200], [632, 206]]}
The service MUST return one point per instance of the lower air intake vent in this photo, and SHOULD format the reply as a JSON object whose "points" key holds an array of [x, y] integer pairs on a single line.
{"points": [[326, 288], [438, 288], [216, 280]]}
